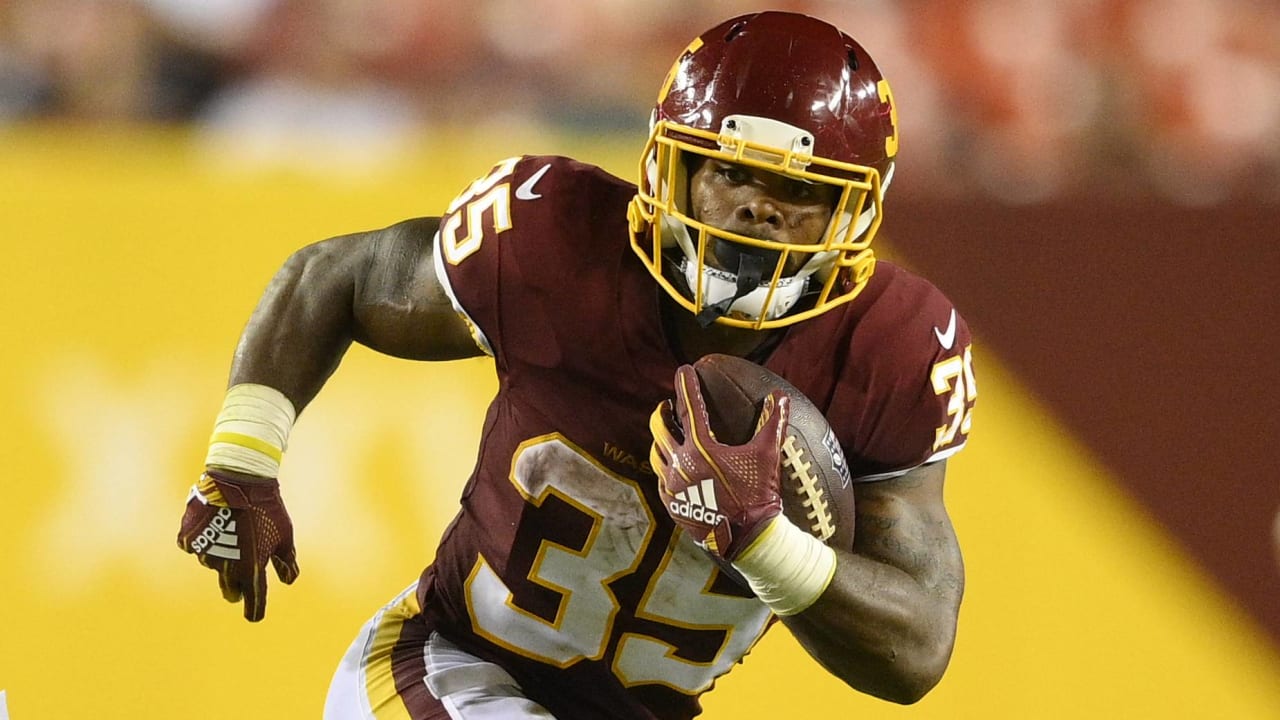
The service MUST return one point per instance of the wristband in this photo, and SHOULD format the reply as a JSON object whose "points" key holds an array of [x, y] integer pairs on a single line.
{"points": [[786, 567], [252, 430]]}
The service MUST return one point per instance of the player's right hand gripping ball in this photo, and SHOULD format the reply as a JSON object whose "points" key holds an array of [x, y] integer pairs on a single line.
{"points": [[234, 527], [815, 483], [722, 495]]}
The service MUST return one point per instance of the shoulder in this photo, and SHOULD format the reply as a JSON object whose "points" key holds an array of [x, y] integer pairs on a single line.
{"points": [[906, 318], [539, 176], [531, 204], [567, 203], [535, 178], [891, 370], [898, 326], [523, 249], [911, 354]]}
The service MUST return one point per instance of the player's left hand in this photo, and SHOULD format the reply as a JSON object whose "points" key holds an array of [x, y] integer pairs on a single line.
{"points": [[234, 526], [722, 495]]}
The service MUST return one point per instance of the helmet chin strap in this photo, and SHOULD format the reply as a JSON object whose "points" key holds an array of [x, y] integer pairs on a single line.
{"points": [[750, 271]]}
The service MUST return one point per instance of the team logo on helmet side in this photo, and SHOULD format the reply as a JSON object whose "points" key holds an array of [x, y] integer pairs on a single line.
{"points": [[675, 68], [886, 97]]}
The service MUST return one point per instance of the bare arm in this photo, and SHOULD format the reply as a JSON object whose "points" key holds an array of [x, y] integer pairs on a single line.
{"points": [[887, 623], [377, 288]]}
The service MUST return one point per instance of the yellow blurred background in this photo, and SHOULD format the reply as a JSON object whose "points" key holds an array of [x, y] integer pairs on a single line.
{"points": [[131, 260]]}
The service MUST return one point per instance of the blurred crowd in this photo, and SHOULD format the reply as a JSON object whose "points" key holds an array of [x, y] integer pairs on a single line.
{"points": [[1022, 100]]}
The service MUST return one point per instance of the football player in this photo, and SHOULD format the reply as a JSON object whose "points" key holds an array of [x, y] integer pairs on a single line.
{"points": [[566, 587]]}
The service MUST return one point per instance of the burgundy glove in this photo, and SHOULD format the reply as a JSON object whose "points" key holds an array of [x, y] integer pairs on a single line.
{"points": [[722, 495], [233, 526]]}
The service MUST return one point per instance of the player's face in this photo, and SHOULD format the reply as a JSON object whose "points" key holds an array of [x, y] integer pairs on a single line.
{"points": [[758, 204]]}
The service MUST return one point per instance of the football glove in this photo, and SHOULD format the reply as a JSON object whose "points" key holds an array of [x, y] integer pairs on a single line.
{"points": [[234, 527], [722, 495]]}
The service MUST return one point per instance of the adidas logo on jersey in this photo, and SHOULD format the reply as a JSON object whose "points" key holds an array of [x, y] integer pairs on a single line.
{"points": [[219, 537], [697, 503]]}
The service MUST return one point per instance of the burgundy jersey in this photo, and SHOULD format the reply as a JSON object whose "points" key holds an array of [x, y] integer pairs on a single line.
{"points": [[562, 565]]}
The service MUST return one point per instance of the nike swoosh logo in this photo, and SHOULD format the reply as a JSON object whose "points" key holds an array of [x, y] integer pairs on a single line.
{"points": [[525, 191], [947, 338]]}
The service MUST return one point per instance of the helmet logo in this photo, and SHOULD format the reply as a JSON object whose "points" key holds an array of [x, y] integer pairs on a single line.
{"points": [[886, 97], [675, 68]]}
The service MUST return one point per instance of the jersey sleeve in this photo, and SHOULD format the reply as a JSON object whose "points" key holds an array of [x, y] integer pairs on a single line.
{"points": [[908, 402], [502, 254], [466, 249]]}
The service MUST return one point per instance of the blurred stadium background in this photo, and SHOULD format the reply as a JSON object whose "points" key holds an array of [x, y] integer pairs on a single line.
{"points": [[1095, 182]]}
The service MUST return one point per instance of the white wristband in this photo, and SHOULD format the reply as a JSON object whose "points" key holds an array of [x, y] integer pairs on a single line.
{"points": [[787, 567], [252, 430]]}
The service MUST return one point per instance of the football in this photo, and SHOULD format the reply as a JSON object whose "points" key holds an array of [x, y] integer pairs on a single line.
{"points": [[817, 494]]}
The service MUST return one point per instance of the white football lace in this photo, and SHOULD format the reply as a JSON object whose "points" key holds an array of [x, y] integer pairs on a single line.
{"points": [[797, 469]]}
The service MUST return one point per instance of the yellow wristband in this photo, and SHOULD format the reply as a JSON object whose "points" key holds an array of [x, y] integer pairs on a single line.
{"points": [[252, 430]]}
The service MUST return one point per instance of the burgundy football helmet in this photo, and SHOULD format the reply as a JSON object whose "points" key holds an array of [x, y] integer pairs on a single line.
{"points": [[792, 95]]}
